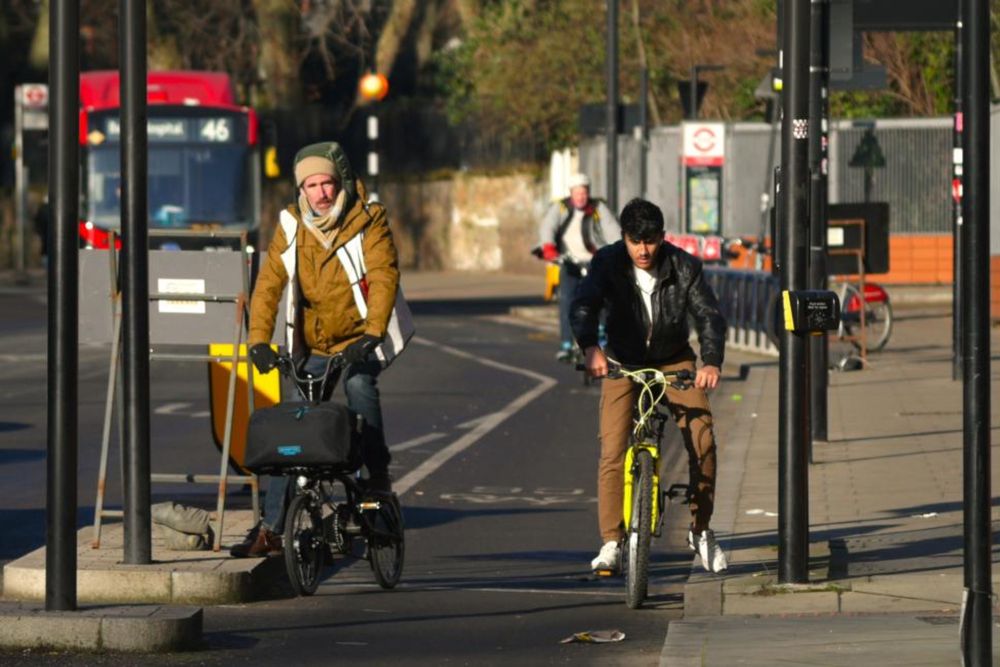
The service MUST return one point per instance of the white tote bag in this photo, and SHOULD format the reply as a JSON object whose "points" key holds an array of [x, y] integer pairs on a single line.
{"points": [[401, 327]]}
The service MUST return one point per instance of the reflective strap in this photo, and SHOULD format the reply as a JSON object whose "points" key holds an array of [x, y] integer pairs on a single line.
{"points": [[351, 256], [290, 226]]}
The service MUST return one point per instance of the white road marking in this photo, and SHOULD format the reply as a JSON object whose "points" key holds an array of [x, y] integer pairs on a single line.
{"points": [[21, 358], [416, 442], [442, 456], [171, 408], [472, 423]]}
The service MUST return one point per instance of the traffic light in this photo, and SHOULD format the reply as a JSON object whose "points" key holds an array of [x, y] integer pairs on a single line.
{"points": [[374, 87]]}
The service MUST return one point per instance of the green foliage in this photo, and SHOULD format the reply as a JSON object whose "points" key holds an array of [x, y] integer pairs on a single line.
{"points": [[527, 68]]}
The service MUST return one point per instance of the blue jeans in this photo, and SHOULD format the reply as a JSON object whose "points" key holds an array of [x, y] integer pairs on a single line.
{"points": [[569, 279], [361, 388]]}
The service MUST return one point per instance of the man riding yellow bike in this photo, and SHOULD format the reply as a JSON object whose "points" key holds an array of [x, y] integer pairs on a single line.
{"points": [[649, 290]]}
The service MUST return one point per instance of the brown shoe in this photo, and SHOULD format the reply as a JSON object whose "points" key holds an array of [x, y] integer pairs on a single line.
{"points": [[259, 543]]}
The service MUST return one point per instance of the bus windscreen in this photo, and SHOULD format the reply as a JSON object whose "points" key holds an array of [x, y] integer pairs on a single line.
{"points": [[199, 174]]}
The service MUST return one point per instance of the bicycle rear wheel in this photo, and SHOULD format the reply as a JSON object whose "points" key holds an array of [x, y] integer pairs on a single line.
{"points": [[640, 530], [878, 320], [386, 546], [304, 544]]}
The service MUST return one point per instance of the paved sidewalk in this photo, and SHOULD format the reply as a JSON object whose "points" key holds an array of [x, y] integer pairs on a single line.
{"points": [[885, 517]]}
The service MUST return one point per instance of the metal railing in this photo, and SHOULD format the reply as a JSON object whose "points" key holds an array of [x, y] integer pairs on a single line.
{"points": [[745, 297]]}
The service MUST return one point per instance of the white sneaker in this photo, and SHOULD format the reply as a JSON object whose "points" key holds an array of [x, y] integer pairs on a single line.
{"points": [[607, 558], [713, 559]]}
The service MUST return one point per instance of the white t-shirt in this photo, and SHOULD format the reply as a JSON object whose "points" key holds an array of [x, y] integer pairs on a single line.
{"points": [[573, 238], [646, 282]]}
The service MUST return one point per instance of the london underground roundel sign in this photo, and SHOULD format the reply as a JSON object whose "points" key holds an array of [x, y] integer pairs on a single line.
{"points": [[704, 144]]}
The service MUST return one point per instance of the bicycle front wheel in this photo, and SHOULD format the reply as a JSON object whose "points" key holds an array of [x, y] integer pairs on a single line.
{"points": [[640, 531], [304, 544], [386, 546]]}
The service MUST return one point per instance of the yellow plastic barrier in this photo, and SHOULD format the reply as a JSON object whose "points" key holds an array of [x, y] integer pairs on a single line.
{"points": [[266, 391]]}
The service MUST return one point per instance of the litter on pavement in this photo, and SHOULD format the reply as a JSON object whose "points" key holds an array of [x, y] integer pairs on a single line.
{"points": [[595, 637]]}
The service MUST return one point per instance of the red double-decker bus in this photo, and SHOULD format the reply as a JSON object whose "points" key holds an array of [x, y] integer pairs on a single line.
{"points": [[203, 157]]}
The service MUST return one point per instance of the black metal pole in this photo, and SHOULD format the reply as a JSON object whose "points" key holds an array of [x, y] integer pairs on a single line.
{"points": [[63, 362], [643, 128], [793, 415], [818, 75], [612, 110], [693, 110], [135, 292], [978, 609], [956, 209]]}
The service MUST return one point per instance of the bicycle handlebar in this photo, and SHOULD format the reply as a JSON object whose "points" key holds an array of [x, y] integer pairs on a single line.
{"points": [[679, 379], [307, 383]]}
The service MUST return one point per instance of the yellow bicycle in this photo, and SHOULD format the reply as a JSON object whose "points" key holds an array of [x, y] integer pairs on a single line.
{"points": [[645, 501]]}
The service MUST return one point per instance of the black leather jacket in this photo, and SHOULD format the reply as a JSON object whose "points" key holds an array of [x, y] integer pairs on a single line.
{"points": [[680, 292]]}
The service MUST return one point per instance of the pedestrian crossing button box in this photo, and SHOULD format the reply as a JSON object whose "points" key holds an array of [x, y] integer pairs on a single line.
{"points": [[811, 311]]}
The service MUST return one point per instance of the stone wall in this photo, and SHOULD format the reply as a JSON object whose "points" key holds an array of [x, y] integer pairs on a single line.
{"points": [[467, 223]]}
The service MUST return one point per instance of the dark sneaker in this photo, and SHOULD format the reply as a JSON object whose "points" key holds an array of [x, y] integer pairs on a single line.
{"points": [[259, 543], [379, 484]]}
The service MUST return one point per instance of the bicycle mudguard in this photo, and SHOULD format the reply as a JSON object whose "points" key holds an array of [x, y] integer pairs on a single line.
{"points": [[627, 500], [874, 293]]}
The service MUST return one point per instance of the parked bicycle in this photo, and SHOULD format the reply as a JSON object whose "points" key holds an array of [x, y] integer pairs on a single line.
{"points": [[332, 512], [874, 307], [645, 500]]}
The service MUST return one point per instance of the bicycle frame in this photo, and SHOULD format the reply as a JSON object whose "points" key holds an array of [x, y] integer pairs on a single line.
{"points": [[647, 434], [652, 445]]}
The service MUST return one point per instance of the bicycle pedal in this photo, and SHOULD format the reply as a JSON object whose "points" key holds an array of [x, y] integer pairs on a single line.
{"points": [[604, 572], [365, 505]]}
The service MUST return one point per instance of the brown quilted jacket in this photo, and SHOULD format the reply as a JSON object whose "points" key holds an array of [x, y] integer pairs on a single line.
{"points": [[329, 318]]}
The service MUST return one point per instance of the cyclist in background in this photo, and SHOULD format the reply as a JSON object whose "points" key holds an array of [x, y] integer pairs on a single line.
{"points": [[572, 230], [649, 288], [330, 211]]}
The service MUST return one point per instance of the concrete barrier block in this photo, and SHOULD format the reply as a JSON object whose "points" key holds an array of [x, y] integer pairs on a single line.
{"points": [[162, 629]]}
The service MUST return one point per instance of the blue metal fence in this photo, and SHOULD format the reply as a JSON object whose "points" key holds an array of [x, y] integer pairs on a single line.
{"points": [[745, 298]]}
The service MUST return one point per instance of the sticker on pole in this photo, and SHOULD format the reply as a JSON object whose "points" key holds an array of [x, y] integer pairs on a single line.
{"points": [[956, 189]]}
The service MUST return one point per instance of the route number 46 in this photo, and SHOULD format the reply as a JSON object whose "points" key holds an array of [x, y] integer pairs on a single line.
{"points": [[216, 129]]}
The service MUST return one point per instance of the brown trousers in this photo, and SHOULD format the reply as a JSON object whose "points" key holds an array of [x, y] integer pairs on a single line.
{"points": [[693, 415]]}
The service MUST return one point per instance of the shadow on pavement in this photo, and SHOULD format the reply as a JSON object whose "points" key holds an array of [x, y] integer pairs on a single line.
{"points": [[906, 551], [428, 517]]}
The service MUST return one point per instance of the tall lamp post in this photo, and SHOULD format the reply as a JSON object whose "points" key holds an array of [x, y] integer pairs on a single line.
{"points": [[374, 87], [693, 92]]}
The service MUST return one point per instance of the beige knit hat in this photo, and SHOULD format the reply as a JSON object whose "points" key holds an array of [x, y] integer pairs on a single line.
{"points": [[311, 165]]}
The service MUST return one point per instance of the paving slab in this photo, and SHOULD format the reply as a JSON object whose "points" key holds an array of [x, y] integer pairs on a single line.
{"points": [[831, 641]]}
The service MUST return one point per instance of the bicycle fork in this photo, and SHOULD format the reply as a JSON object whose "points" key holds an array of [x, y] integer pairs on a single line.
{"points": [[631, 466]]}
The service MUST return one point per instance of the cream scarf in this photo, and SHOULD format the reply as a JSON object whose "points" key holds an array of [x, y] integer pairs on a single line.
{"points": [[323, 227]]}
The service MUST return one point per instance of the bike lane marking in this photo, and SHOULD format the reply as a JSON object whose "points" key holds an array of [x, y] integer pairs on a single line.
{"points": [[416, 442], [488, 422]]}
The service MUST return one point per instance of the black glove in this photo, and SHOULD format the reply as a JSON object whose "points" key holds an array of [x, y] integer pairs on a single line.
{"points": [[357, 351], [263, 357]]}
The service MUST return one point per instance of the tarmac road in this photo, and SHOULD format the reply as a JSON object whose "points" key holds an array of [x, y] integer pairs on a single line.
{"points": [[495, 454]]}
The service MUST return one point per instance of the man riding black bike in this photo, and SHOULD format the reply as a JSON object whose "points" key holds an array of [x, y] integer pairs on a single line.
{"points": [[649, 289], [331, 212]]}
